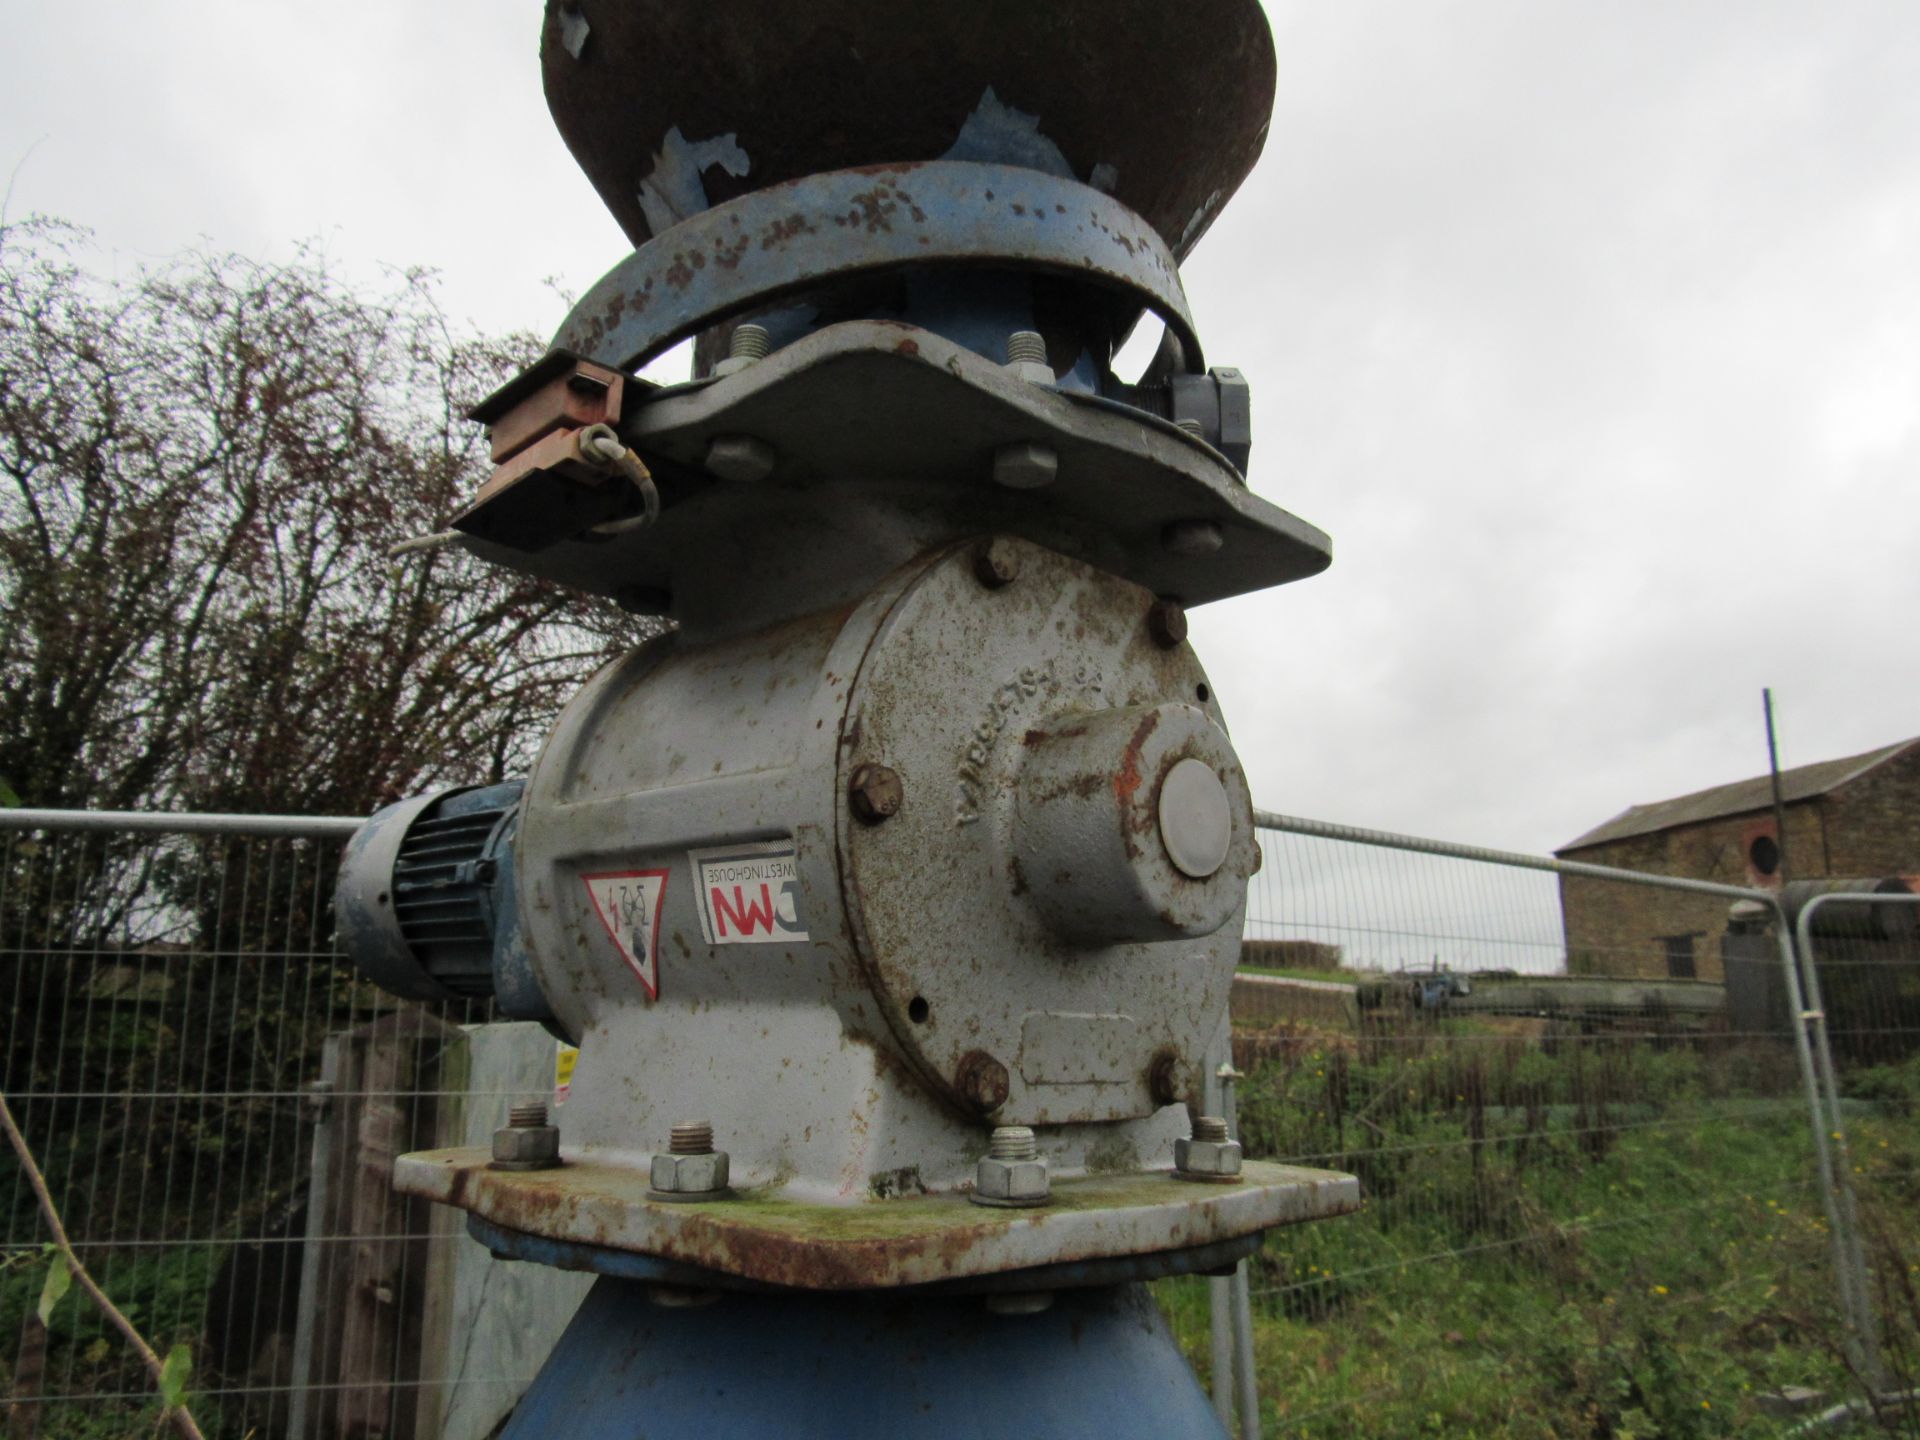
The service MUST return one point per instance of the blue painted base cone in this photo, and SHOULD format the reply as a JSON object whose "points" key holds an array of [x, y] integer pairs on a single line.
{"points": [[1096, 1365]]}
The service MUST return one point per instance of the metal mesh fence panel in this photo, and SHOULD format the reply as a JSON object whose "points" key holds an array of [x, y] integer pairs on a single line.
{"points": [[171, 1001], [1585, 1142], [1863, 954], [1574, 1102]]}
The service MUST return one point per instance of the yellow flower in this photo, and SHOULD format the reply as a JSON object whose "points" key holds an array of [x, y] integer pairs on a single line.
{"points": [[1659, 1289]]}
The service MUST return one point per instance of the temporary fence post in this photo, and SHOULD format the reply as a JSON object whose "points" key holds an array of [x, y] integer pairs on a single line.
{"points": [[1220, 1287], [310, 1259], [1849, 1289], [1850, 1249], [1248, 1382]]}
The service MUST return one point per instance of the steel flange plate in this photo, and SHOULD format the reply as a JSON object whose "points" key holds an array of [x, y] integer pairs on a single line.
{"points": [[916, 421], [912, 1240]]}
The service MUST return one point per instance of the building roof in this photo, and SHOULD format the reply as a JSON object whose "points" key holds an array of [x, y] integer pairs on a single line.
{"points": [[1803, 782]]}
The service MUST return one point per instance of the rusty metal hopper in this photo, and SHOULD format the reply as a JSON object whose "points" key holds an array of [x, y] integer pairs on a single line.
{"points": [[1169, 121]]}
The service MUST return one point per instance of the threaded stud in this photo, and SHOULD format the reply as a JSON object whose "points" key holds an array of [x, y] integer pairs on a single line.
{"points": [[530, 1115], [1026, 347], [749, 342], [1210, 1129], [691, 1137], [1013, 1142]]}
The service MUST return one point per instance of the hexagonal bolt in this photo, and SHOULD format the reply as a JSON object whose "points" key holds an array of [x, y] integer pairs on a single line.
{"points": [[1167, 623], [1025, 466], [691, 1169], [996, 562], [1191, 539], [1011, 1175], [983, 1080], [1027, 357], [527, 1141], [739, 458], [874, 793], [1163, 1077], [1209, 1156], [747, 344]]}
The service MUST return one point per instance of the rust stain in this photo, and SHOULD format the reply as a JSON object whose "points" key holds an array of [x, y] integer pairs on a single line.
{"points": [[1127, 780], [786, 228]]}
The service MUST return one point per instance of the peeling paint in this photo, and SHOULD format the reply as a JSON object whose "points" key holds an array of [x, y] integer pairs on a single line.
{"points": [[997, 133], [674, 191]]}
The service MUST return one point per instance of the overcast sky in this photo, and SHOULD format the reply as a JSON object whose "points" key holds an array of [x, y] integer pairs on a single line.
{"points": [[1591, 332]]}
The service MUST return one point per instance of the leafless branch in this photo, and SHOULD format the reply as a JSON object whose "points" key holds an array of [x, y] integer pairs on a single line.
{"points": [[181, 1417]]}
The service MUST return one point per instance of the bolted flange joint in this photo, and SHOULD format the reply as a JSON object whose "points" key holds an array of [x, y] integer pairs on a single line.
{"points": [[1012, 1175], [527, 1141], [1209, 1156], [691, 1169]]}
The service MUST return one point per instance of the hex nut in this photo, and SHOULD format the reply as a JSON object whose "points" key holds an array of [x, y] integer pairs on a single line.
{"points": [[688, 1177], [1012, 1184], [1217, 1161], [1025, 466], [996, 563], [747, 345], [874, 793], [1167, 623], [1027, 357], [1191, 539], [740, 458], [530, 1147], [1163, 1077], [983, 1080]]}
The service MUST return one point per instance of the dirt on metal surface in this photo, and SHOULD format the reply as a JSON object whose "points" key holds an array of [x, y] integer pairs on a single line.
{"points": [[911, 1240], [1164, 105]]}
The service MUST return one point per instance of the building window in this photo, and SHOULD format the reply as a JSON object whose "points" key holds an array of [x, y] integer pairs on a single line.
{"points": [[1679, 956], [1764, 855]]}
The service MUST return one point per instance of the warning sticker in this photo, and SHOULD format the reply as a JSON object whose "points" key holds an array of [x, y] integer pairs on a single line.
{"points": [[749, 894], [628, 903], [565, 1056]]}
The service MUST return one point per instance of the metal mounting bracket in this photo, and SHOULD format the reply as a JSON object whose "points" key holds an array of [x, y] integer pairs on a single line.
{"points": [[903, 413]]}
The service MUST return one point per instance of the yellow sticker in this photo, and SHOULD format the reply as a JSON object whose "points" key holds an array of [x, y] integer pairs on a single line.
{"points": [[564, 1056]]}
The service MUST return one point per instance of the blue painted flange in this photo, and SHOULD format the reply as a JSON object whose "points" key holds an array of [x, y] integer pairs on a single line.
{"points": [[1095, 1365], [942, 213]]}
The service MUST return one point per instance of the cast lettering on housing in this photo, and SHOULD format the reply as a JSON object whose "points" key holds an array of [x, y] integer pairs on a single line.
{"points": [[749, 894]]}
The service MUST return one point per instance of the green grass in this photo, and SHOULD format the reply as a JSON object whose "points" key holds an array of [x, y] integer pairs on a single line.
{"points": [[161, 1289], [1601, 1242]]}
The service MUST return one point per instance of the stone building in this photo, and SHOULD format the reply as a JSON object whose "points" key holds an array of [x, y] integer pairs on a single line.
{"points": [[1857, 817]]}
